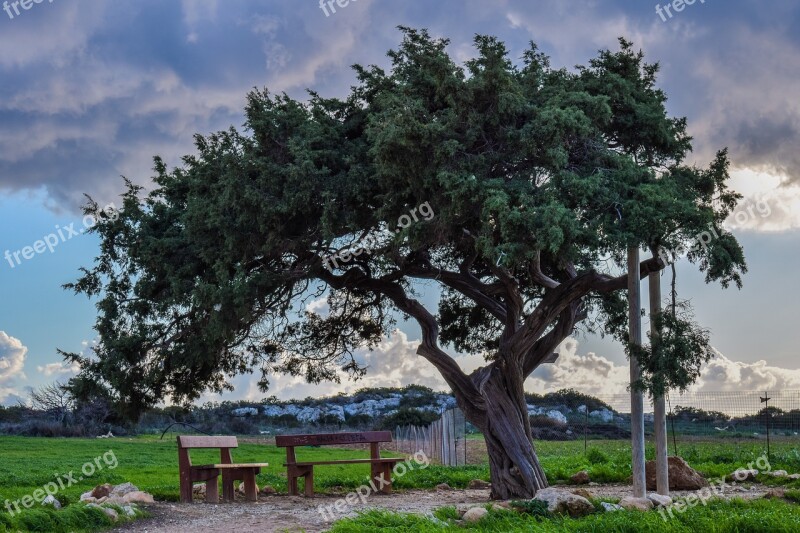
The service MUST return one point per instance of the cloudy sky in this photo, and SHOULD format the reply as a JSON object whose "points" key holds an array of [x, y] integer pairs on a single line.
{"points": [[91, 90]]}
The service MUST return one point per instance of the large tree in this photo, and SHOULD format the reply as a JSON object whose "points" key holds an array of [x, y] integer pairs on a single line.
{"points": [[534, 182]]}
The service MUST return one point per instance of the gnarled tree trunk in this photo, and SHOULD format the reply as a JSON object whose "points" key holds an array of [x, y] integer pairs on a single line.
{"points": [[513, 463]]}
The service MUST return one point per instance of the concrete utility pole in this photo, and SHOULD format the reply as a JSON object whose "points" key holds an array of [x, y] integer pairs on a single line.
{"points": [[659, 405], [637, 400]]}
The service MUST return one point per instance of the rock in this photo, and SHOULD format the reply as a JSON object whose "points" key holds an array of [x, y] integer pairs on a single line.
{"points": [[778, 473], [268, 490], [583, 493], [245, 411], [580, 478], [603, 414], [102, 490], [794, 476], [124, 488], [743, 474], [50, 501], [101, 500], [610, 507], [565, 502], [659, 500], [241, 488], [128, 510], [777, 493], [502, 505], [199, 489], [681, 475], [87, 497], [475, 514], [479, 484], [137, 497], [111, 513], [636, 504], [558, 416], [443, 486]]}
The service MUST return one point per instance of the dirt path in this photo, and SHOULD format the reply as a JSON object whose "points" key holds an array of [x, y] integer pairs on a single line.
{"points": [[294, 514]]}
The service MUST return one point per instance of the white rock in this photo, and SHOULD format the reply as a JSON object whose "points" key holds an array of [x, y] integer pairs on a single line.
{"points": [[137, 497], [123, 489], [475, 514], [779, 473], [128, 510], [659, 500], [565, 502], [51, 501], [87, 497], [245, 411], [610, 507], [558, 416], [636, 504], [603, 414]]}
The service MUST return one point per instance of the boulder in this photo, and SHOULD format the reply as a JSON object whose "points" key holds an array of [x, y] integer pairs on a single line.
{"points": [[778, 473], [474, 514], [479, 484], [559, 502], [610, 507], [137, 497], [443, 486], [794, 476], [635, 504], [50, 501], [580, 478], [583, 493], [268, 490], [199, 489], [129, 510], [123, 489], [241, 488], [743, 474], [111, 513], [681, 475], [102, 490], [87, 497], [777, 493], [659, 500]]}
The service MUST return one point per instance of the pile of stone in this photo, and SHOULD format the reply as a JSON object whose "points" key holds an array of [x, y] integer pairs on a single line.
{"points": [[125, 496]]}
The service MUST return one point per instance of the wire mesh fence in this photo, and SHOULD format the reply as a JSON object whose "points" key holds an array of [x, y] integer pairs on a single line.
{"points": [[737, 416]]}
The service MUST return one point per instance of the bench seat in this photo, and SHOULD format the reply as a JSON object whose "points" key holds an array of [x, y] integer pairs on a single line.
{"points": [[380, 467], [235, 465]]}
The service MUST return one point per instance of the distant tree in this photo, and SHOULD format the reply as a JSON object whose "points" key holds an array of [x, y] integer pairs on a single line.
{"points": [[510, 192], [54, 399]]}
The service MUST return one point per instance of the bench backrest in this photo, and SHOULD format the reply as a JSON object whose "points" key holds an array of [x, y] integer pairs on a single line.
{"points": [[327, 439], [191, 441]]}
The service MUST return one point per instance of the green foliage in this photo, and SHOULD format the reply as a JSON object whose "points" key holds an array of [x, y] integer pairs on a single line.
{"points": [[717, 516], [532, 507], [534, 176], [596, 456], [408, 416]]}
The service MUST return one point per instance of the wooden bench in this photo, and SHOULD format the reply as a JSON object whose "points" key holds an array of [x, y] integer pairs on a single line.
{"points": [[230, 471], [380, 467]]}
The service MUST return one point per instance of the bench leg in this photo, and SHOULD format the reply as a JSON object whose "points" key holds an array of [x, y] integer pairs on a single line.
{"points": [[228, 494], [291, 474], [387, 477], [309, 486], [249, 481], [212, 490]]}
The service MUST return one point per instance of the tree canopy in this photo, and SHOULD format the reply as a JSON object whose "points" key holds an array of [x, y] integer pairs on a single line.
{"points": [[538, 179]]}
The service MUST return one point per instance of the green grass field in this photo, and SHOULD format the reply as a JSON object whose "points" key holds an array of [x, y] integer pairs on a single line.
{"points": [[151, 464]]}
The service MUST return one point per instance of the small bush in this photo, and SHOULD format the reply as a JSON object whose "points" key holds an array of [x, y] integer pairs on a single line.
{"points": [[596, 456], [532, 507]]}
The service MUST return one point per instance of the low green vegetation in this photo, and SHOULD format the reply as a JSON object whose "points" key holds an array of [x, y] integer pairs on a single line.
{"points": [[716, 517], [151, 464]]}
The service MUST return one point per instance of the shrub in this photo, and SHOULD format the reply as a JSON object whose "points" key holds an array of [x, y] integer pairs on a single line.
{"points": [[406, 416], [596, 456]]}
